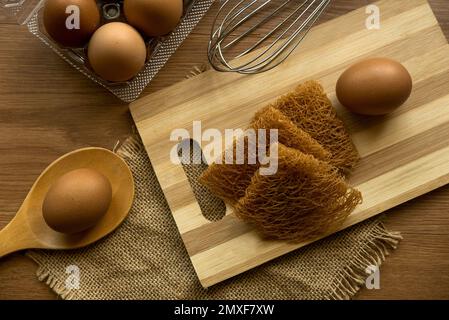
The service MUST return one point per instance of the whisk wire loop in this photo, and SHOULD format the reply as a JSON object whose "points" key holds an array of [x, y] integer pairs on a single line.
{"points": [[273, 46]]}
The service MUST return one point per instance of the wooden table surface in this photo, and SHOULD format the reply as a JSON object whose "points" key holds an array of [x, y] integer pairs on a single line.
{"points": [[47, 109]]}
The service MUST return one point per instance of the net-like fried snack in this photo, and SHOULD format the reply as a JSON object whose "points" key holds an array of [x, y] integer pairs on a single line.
{"points": [[311, 110], [289, 134], [303, 200], [230, 180]]}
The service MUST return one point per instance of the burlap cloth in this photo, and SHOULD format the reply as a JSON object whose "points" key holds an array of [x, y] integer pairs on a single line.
{"points": [[145, 257]]}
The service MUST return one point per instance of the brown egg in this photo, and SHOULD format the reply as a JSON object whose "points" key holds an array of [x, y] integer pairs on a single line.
{"points": [[374, 87], [62, 27], [77, 201], [117, 52], [153, 17]]}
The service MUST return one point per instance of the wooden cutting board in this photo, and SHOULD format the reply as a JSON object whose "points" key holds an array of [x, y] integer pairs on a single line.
{"points": [[404, 155]]}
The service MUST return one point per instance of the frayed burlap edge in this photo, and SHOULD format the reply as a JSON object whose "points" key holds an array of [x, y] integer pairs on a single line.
{"points": [[44, 275], [352, 278], [131, 145]]}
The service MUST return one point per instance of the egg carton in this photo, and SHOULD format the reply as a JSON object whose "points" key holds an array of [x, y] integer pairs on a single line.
{"points": [[29, 13]]}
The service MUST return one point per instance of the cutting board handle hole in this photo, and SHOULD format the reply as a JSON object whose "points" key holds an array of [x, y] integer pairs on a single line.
{"points": [[193, 163]]}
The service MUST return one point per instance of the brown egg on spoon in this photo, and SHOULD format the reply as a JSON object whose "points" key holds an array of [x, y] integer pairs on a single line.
{"points": [[77, 201], [71, 22]]}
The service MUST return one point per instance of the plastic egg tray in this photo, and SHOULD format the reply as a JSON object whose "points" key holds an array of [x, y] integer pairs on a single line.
{"points": [[29, 13]]}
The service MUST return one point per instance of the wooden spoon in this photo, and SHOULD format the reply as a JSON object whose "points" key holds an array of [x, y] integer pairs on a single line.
{"points": [[29, 230]]}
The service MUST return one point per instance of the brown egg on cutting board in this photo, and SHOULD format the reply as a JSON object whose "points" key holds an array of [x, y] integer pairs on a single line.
{"points": [[117, 52], [153, 17], [61, 19], [375, 86], [77, 201]]}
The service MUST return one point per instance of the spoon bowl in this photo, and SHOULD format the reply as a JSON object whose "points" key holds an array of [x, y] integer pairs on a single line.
{"points": [[29, 230]]}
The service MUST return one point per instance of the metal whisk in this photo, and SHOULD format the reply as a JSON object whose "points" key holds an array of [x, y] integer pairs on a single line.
{"points": [[240, 21]]}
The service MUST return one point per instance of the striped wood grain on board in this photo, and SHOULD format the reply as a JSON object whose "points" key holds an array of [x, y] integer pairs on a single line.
{"points": [[404, 154]]}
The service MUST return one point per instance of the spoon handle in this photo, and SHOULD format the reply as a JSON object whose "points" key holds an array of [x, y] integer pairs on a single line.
{"points": [[16, 236]]}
